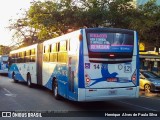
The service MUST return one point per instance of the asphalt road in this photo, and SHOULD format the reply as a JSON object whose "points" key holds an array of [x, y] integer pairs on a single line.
{"points": [[19, 97]]}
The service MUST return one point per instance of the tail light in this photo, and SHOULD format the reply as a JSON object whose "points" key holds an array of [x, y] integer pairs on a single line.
{"points": [[134, 78], [87, 79]]}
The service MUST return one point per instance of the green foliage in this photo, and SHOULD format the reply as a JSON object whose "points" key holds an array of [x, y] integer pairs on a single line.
{"points": [[120, 13], [147, 23], [50, 18]]}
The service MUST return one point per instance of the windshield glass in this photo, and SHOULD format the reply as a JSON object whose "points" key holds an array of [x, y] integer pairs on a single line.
{"points": [[110, 42], [149, 74]]}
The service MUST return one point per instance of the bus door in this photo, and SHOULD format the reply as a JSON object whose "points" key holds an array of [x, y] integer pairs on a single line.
{"points": [[72, 77], [72, 67]]}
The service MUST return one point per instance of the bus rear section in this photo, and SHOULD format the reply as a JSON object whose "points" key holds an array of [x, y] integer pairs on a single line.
{"points": [[110, 65]]}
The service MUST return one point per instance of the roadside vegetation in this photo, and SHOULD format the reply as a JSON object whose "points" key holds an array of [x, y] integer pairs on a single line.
{"points": [[46, 20]]}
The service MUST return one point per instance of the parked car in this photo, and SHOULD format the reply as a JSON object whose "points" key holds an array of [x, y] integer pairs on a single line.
{"points": [[149, 81]]}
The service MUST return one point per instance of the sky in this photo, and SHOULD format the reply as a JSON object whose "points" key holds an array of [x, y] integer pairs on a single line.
{"points": [[9, 9]]}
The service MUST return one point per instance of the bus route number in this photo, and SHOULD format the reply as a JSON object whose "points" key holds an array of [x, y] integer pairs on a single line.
{"points": [[127, 68]]}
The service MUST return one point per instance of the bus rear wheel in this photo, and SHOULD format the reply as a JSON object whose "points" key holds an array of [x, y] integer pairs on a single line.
{"points": [[55, 91]]}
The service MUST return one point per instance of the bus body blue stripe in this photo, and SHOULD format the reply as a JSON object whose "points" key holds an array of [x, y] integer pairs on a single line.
{"points": [[15, 69], [137, 59], [81, 65]]}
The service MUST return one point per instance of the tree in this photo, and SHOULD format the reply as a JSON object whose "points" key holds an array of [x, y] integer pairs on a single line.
{"points": [[68, 14], [120, 13], [48, 19], [23, 33], [147, 23]]}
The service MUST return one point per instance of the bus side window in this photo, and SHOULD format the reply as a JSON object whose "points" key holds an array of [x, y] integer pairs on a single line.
{"points": [[63, 46], [73, 45], [53, 54], [33, 52], [62, 54], [20, 57], [28, 55], [46, 53], [12, 59], [33, 58]]}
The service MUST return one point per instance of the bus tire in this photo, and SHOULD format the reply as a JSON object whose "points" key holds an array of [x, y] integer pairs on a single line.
{"points": [[29, 83], [55, 90], [14, 79]]}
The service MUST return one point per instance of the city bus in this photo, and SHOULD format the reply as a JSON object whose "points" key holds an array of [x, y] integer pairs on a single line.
{"points": [[91, 64], [4, 64]]}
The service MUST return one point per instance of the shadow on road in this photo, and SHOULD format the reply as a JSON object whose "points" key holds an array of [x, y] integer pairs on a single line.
{"points": [[4, 74]]}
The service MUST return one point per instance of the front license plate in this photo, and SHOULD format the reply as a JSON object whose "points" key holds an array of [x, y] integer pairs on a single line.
{"points": [[112, 92]]}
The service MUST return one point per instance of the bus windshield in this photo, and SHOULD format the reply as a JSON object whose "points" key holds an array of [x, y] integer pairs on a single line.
{"points": [[110, 42]]}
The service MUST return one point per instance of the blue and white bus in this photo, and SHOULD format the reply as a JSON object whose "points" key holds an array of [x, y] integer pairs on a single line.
{"points": [[4, 64], [91, 64]]}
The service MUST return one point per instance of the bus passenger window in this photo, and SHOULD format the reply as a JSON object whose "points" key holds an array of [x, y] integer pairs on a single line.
{"points": [[54, 47], [73, 45], [46, 49], [33, 52], [28, 52], [53, 57], [63, 46]]}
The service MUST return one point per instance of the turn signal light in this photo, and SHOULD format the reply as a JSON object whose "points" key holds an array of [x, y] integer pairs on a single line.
{"points": [[134, 78]]}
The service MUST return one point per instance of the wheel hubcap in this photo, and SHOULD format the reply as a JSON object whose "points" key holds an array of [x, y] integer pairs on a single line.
{"points": [[147, 88]]}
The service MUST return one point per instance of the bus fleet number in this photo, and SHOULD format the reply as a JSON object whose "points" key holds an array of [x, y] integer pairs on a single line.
{"points": [[98, 66]]}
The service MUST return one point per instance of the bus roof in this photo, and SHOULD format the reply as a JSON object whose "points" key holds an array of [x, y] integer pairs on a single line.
{"points": [[24, 49]]}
